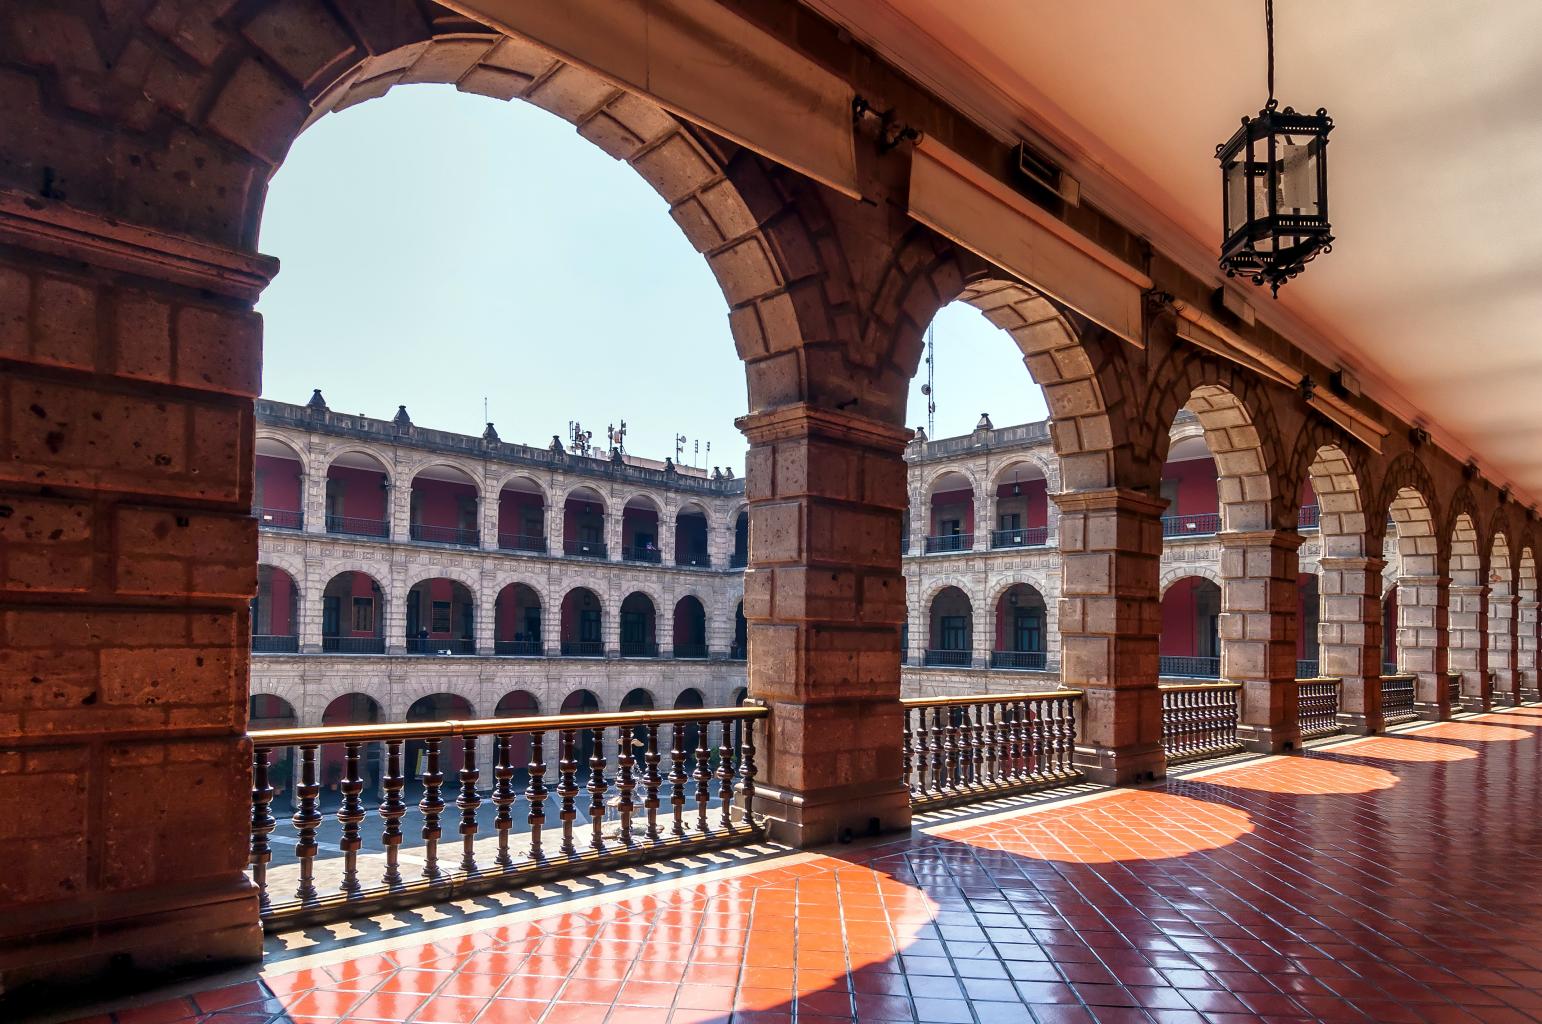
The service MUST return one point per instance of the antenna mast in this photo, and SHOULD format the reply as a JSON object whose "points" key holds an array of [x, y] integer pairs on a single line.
{"points": [[929, 390]]}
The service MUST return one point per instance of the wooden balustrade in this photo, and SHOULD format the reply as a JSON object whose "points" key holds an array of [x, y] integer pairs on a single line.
{"points": [[959, 749], [1317, 706], [1397, 698], [1199, 721], [484, 819]]}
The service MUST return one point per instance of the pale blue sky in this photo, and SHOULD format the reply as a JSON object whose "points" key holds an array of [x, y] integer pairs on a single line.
{"points": [[439, 247]]}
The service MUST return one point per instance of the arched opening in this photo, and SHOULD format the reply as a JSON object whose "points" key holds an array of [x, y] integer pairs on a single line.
{"points": [[358, 496], [1501, 619], [278, 492], [1308, 605], [951, 636], [517, 622], [439, 618], [438, 707], [741, 645], [351, 709], [690, 699], [444, 507], [1422, 611], [1308, 512], [583, 524], [522, 516], [637, 736], [640, 530], [353, 615], [1189, 485], [1467, 613], [581, 625], [690, 628], [1389, 632], [265, 711], [741, 554], [639, 627], [1021, 630], [1526, 615], [581, 702], [1190, 646], [518, 704], [1022, 507], [950, 512], [691, 537], [275, 612]]}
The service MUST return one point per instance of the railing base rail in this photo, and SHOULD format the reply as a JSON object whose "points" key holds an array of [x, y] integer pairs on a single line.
{"points": [[974, 795]]}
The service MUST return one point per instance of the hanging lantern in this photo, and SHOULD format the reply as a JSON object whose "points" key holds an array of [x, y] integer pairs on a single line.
{"points": [[1274, 189]]}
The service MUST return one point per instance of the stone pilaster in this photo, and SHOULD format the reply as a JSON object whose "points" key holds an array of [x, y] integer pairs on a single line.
{"points": [[1526, 649], [1501, 643], [668, 521], [313, 490], [1423, 618], [824, 601], [487, 517], [1110, 621], [1349, 636], [399, 502], [1258, 633], [1468, 631], [984, 515], [614, 516], [484, 626]]}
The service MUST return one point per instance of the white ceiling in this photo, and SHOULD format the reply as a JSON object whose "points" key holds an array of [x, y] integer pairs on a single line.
{"points": [[1434, 288]]}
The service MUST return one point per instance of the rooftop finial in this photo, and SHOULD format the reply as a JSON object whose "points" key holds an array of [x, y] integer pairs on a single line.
{"points": [[401, 419], [985, 422], [490, 434], [317, 403]]}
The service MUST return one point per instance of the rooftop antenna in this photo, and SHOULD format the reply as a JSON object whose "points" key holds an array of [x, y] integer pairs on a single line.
{"points": [[928, 388], [679, 448], [484, 408]]}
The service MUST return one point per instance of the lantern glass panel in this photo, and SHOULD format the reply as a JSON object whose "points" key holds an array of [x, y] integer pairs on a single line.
{"points": [[1234, 175], [1298, 177]]}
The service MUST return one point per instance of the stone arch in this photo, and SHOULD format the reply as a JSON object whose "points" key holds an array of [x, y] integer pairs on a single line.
{"points": [[940, 583], [496, 485], [929, 482], [657, 503], [1464, 543], [1236, 439], [271, 435], [464, 577], [1342, 519], [1180, 572], [1047, 467], [1020, 577], [291, 564], [470, 470], [537, 584], [384, 462]]}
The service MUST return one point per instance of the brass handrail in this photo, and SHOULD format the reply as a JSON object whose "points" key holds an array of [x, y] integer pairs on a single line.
{"points": [[1197, 687], [1400, 675], [267, 738], [986, 698], [1335, 680]]}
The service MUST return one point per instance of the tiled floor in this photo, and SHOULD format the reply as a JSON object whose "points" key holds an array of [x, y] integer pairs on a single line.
{"points": [[1392, 879]]}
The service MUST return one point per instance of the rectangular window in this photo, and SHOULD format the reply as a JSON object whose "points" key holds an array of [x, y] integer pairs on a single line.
{"points": [[1010, 521], [363, 615], [1028, 630], [441, 620], [589, 533], [589, 626], [331, 616], [950, 527], [532, 625], [634, 628], [955, 633]]}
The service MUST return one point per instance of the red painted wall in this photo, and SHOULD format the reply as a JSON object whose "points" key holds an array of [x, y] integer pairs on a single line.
{"points": [[1036, 493], [1180, 621], [438, 503], [363, 586], [280, 482], [1308, 496], [439, 590], [1197, 494], [364, 497], [951, 501], [510, 614], [514, 507], [1306, 632], [684, 631], [281, 603], [571, 515], [634, 519]]}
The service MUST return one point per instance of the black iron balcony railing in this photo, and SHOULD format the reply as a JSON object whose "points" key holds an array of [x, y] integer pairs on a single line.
{"points": [[1201, 525], [428, 645], [583, 648], [1027, 537], [636, 554], [959, 749], [353, 645], [280, 518], [905, 545], [1032, 661], [738, 560], [445, 535], [275, 644], [1317, 707], [955, 659], [904, 656], [1454, 689], [1397, 698], [702, 799], [1309, 518], [1306, 668], [738, 652], [695, 651], [639, 649], [357, 526], [1183, 667], [518, 648], [694, 560], [584, 548], [1199, 721], [522, 542], [950, 542]]}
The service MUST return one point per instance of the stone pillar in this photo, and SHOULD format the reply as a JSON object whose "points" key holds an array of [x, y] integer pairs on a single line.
{"points": [[1349, 636], [667, 535], [614, 515], [314, 497], [395, 590], [485, 626], [1110, 621], [984, 506], [1423, 618], [308, 614], [1258, 633], [487, 517], [824, 599], [555, 539], [130, 552], [1468, 631], [399, 501], [1501, 643], [1526, 649]]}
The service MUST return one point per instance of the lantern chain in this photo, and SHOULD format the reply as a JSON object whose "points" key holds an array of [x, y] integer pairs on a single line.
{"points": [[1269, 31]]}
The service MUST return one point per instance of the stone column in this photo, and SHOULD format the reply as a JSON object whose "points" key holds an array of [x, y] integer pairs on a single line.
{"points": [[487, 517], [1349, 636], [1110, 621], [314, 496], [1423, 617], [308, 614], [395, 590], [614, 515], [1468, 631], [667, 535], [1501, 642], [399, 502], [1526, 649], [984, 504], [555, 540], [824, 599], [486, 624], [1258, 633]]}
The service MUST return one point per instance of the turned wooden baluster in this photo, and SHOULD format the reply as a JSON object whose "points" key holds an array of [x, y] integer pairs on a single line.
{"points": [[597, 787], [747, 771], [651, 781], [503, 797], [923, 754], [939, 752], [263, 823], [976, 746], [1020, 734], [468, 802], [307, 818], [535, 794], [1068, 735], [350, 815], [725, 773], [392, 808], [703, 777], [626, 784], [567, 791], [905, 764], [678, 779], [992, 746], [432, 805]]}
